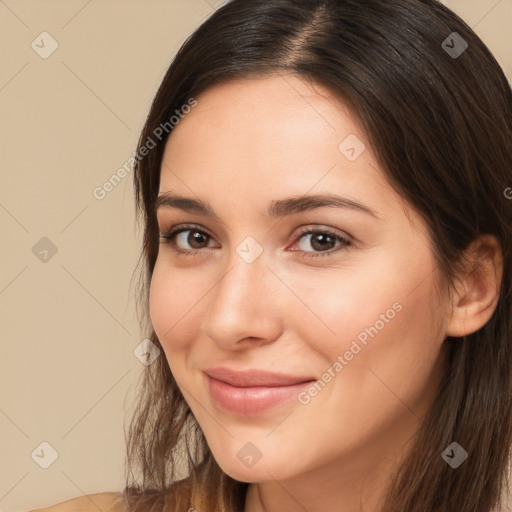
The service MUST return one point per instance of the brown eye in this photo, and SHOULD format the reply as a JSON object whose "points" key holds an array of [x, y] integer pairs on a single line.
{"points": [[195, 238], [323, 243], [186, 239]]}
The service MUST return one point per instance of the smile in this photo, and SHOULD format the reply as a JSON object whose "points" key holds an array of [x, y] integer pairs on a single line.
{"points": [[252, 400]]}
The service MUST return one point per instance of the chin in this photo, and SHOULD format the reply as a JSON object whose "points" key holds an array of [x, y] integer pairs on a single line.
{"points": [[263, 470]]}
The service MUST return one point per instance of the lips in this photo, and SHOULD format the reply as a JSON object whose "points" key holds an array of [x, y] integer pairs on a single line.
{"points": [[253, 377], [252, 392]]}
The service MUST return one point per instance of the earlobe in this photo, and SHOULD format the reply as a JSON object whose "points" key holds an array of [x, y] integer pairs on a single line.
{"points": [[478, 289]]}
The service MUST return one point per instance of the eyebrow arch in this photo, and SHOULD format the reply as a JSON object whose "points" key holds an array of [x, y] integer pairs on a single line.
{"points": [[277, 208]]}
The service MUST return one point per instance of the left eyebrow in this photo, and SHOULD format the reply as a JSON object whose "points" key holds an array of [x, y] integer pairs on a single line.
{"points": [[298, 204], [277, 208]]}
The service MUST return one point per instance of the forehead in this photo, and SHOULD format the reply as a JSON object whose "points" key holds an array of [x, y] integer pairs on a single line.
{"points": [[274, 136], [275, 102], [262, 122]]}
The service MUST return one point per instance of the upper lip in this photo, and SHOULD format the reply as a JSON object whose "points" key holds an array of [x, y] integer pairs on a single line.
{"points": [[254, 377]]}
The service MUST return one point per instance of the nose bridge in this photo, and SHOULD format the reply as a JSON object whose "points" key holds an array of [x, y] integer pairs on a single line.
{"points": [[245, 272], [240, 303], [242, 283]]}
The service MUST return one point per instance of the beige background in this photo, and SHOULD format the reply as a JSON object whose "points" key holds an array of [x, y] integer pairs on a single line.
{"points": [[68, 325]]}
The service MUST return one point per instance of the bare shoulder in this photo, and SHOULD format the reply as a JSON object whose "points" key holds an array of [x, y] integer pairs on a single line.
{"points": [[105, 501], [179, 492]]}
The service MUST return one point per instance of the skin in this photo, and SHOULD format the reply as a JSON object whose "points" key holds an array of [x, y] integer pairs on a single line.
{"points": [[249, 142]]}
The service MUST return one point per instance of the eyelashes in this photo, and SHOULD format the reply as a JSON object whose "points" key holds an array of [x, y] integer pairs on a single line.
{"points": [[315, 235]]}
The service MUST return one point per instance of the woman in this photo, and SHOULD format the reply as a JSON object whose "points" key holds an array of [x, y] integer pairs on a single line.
{"points": [[327, 255]]}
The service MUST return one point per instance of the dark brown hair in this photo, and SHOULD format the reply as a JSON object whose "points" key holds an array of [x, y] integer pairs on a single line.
{"points": [[440, 124]]}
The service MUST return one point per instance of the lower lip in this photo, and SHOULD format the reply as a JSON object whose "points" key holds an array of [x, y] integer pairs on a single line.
{"points": [[253, 400]]}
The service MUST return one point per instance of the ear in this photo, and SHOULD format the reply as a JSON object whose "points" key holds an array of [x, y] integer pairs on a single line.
{"points": [[478, 290]]}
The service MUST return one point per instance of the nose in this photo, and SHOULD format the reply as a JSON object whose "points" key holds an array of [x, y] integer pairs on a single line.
{"points": [[243, 308]]}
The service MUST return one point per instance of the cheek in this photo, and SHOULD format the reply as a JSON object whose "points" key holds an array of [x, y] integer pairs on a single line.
{"points": [[405, 354], [390, 347], [387, 378], [340, 304], [386, 291], [384, 321], [171, 303]]}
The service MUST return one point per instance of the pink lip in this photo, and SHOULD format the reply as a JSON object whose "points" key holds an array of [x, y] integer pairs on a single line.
{"points": [[253, 399], [253, 377]]}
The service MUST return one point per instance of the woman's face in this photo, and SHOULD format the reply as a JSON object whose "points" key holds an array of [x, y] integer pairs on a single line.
{"points": [[257, 291]]}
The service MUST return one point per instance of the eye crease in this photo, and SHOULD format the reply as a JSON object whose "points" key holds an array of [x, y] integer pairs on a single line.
{"points": [[318, 236]]}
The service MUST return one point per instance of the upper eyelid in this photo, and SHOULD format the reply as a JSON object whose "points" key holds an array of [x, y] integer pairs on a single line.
{"points": [[199, 227]]}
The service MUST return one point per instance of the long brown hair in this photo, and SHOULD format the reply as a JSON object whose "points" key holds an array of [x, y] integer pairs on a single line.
{"points": [[438, 116]]}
